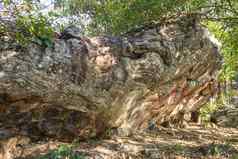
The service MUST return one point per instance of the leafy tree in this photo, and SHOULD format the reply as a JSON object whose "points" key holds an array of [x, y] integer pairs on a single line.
{"points": [[25, 24], [119, 16]]}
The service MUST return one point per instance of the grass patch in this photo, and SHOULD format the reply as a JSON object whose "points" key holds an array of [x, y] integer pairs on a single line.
{"points": [[215, 104], [62, 152]]}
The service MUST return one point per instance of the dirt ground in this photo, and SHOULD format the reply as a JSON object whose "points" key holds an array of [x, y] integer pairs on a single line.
{"points": [[195, 142]]}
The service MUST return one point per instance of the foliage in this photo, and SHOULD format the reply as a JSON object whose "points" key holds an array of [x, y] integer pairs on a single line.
{"points": [[223, 24], [209, 108], [178, 148], [36, 29], [30, 25], [119, 16], [219, 149], [63, 152], [214, 104], [229, 49]]}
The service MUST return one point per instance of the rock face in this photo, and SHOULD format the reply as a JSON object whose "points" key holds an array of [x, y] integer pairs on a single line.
{"points": [[154, 74]]}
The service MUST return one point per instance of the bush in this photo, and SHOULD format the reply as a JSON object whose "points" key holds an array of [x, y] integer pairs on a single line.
{"points": [[214, 104]]}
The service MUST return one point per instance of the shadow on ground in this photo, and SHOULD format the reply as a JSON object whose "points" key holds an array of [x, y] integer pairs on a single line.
{"points": [[194, 142]]}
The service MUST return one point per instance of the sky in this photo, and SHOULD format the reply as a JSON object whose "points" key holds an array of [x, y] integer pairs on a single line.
{"points": [[45, 4]]}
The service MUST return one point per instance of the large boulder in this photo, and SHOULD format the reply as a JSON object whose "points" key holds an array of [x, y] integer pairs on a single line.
{"points": [[152, 74]]}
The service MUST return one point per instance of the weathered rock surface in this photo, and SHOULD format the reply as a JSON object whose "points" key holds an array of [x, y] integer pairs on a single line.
{"points": [[154, 74]]}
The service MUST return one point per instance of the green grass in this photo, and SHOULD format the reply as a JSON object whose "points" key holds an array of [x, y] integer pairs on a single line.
{"points": [[62, 152], [214, 105]]}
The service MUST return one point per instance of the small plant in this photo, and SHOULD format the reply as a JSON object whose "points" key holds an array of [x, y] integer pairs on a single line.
{"points": [[27, 24], [178, 148], [220, 149], [214, 150], [234, 156], [35, 29], [62, 152], [214, 104]]}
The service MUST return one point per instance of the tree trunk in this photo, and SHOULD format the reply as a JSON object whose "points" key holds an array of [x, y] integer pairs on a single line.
{"points": [[82, 85]]}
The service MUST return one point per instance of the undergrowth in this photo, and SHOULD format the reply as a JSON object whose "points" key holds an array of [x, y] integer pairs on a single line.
{"points": [[62, 152], [215, 104]]}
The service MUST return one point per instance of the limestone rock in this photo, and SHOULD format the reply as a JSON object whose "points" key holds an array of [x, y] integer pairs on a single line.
{"points": [[156, 73]]}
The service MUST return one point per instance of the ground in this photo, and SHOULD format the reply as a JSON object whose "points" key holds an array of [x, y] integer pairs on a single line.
{"points": [[195, 142]]}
